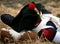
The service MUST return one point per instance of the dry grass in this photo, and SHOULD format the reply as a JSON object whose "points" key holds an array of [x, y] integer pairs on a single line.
{"points": [[4, 10], [38, 41], [54, 11]]}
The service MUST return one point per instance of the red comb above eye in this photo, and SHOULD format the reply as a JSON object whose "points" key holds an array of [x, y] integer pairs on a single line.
{"points": [[31, 6]]}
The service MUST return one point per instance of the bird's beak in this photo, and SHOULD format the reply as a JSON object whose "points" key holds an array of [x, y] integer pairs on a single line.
{"points": [[38, 12]]}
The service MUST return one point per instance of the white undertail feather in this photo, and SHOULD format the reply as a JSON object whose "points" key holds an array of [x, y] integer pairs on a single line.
{"points": [[54, 19], [45, 18]]}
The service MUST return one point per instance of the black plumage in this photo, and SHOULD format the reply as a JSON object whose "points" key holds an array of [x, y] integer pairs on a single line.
{"points": [[26, 18]]}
